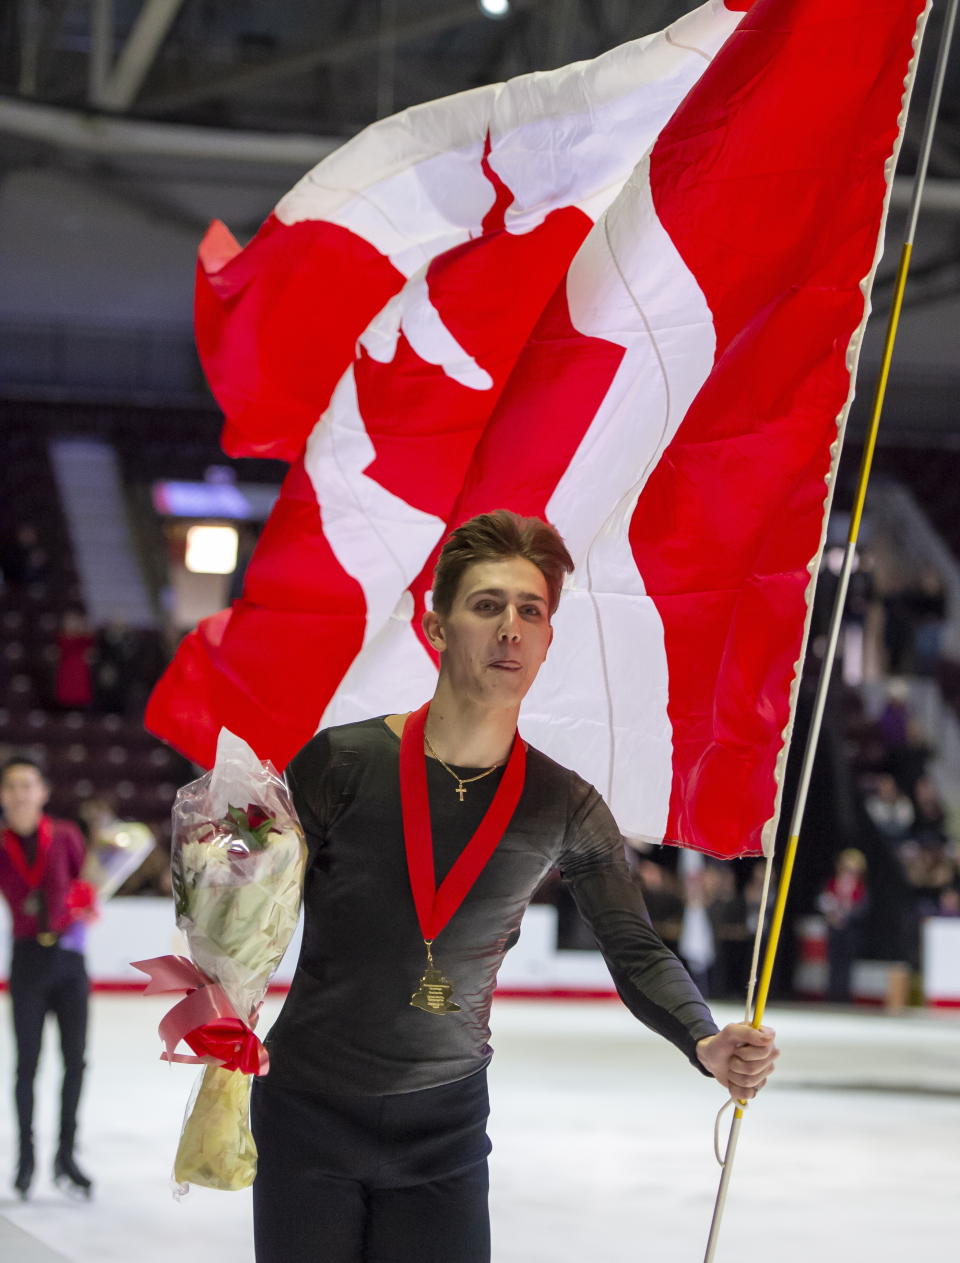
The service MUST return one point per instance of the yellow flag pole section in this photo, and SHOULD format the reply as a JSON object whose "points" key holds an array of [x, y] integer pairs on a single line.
{"points": [[823, 685]]}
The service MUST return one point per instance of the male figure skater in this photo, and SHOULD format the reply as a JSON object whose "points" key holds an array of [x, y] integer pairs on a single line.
{"points": [[39, 860], [428, 833]]}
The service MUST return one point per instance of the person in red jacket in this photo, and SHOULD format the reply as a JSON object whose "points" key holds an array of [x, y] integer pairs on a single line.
{"points": [[843, 902], [40, 862]]}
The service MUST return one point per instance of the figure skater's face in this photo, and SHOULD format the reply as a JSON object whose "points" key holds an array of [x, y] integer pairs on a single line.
{"points": [[23, 796], [496, 636]]}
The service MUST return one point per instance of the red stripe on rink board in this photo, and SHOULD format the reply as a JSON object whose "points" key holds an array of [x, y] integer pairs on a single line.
{"points": [[519, 993], [505, 993], [554, 993], [770, 181]]}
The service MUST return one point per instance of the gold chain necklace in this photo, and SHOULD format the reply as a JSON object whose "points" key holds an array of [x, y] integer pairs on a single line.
{"points": [[461, 781]]}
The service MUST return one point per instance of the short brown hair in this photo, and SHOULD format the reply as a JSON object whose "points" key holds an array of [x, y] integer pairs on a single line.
{"points": [[498, 536], [22, 760]]}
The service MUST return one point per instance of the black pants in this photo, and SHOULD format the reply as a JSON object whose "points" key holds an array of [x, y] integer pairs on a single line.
{"points": [[843, 948], [372, 1179], [48, 980]]}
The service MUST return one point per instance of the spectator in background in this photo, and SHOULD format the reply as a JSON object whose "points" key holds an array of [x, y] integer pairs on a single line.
{"points": [[930, 819], [950, 902], [753, 897], [897, 626], [40, 861], [894, 721], [661, 894], [843, 903], [113, 661], [73, 685], [889, 808], [727, 912], [928, 608], [930, 873], [907, 748], [23, 559]]}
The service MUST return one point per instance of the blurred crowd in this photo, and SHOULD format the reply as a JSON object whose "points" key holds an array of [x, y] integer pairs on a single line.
{"points": [[891, 756], [73, 699], [110, 668], [894, 618]]}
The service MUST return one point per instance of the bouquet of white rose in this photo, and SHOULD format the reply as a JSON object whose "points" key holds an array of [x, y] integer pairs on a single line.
{"points": [[237, 857]]}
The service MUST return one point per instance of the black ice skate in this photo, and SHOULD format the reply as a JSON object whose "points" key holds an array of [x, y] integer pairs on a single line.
{"points": [[24, 1172], [70, 1179]]}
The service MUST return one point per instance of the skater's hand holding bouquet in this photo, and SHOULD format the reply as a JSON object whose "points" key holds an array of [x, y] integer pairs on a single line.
{"points": [[237, 858]]}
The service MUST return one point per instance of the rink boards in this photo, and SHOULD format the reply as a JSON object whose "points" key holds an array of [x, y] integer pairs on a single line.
{"points": [[138, 928]]}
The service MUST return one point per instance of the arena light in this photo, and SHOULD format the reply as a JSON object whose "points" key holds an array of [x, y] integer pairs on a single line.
{"points": [[494, 8], [211, 549]]}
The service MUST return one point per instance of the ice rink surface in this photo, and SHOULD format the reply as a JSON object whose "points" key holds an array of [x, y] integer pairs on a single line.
{"points": [[603, 1149]]}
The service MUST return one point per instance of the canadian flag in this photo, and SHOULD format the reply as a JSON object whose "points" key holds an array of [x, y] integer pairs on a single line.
{"points": [[626, 296]]}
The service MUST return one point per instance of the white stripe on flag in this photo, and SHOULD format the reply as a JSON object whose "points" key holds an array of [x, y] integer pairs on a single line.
{"points": [[376, 536], [629, 286]]}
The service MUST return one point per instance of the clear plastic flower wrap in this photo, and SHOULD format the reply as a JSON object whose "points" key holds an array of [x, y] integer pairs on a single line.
{"points": [[237, 858]]}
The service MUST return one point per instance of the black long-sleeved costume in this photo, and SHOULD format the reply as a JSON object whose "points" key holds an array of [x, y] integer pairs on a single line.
{"points": [[347, 1025]]}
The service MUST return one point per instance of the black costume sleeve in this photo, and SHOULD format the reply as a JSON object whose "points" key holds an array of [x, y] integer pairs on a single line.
{"points": [[322, 782], [307, 777], [652, 982]]}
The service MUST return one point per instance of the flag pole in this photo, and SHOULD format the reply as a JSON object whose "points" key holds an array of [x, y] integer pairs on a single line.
{"points": [[826, 672]]}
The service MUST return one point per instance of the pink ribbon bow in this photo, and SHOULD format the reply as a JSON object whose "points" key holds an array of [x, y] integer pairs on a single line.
{"points": [[204, 1019]]}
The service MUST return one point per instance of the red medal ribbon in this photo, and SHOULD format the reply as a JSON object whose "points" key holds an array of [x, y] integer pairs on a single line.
{"points": [[436, 906], [32, 874]]}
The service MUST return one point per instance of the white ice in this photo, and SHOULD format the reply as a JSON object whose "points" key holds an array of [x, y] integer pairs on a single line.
{"points": [[602, 1145]]}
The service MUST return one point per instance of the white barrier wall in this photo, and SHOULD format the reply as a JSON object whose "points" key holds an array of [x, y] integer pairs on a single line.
{"points": [[138, 928], [135, 929], [941, 956]]}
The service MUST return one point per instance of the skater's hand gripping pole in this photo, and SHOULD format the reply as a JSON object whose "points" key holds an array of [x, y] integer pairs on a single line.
{"points": [[741, 1058]]}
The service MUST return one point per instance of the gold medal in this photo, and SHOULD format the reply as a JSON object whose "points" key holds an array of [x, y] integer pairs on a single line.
{"points": [[434, 992], [46, 939]]}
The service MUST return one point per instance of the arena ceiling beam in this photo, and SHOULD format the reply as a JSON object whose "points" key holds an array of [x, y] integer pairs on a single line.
{"points": [[117, 88], [105, 137], [352, 48]]}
